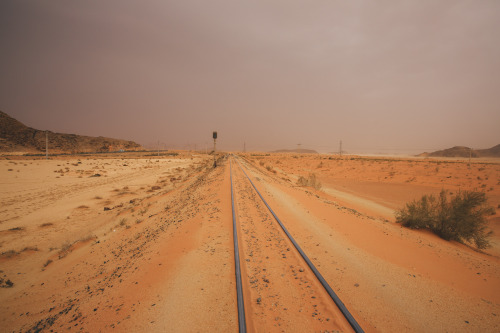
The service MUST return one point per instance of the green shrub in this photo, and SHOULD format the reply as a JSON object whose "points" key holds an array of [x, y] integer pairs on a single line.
{"points": [[461, 218]]}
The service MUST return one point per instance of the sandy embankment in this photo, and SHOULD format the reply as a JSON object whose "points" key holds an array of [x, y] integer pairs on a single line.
{"points": [[115, 250]]}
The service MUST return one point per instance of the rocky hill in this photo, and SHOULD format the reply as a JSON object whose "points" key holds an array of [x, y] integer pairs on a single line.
{"points": [[17, 137], [461, 151], [490, 152]]}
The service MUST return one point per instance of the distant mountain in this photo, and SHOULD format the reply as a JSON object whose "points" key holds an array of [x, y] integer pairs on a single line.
{"points": [[461, 151], [298, 151], [17, 137], [490, 152]]}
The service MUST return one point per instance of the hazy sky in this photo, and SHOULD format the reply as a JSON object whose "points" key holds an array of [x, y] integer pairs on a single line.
{"points": [[382, 76]]}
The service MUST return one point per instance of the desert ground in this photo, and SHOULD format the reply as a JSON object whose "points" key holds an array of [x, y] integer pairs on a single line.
{"points": [[144, 243]]}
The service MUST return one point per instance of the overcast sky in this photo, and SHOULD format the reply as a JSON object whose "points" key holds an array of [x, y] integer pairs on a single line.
{"points": [[382, 76]]}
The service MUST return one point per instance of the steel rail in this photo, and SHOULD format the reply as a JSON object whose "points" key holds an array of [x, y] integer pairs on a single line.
{"points": [[354, 324], [239, 287]]}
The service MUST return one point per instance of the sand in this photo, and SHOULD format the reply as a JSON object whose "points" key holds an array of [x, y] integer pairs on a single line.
{"points": [[144, 243]]}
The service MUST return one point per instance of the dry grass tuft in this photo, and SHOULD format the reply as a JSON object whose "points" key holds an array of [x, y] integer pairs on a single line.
{"points": [[9, 254], [270, 169], [6, 283], [30, 248], [311, 181], [66, 249], [17, 229], [86, 238]]}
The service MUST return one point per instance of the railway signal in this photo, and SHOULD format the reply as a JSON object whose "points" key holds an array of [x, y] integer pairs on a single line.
{"points": [[214, 135]]}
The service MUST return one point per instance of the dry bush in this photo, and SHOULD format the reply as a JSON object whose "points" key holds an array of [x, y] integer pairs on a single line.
{"points": [[461, 218], [67, 247], [30, 248], [9, 254], [65, 250], [86, 238], [270, 169], [311, 181], [6, 283]]}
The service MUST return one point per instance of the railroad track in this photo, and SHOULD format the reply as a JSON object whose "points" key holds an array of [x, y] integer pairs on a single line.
{"points": [[278, 287]]}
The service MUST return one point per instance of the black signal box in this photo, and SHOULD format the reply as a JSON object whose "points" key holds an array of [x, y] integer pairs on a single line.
{"points": [[215, 135]]}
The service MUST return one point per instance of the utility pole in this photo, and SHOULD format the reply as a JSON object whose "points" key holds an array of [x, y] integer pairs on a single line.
{"points": [[215, 138], [46, 145], [158, 147], [244, 147], [298, 147], [340, 148]]}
